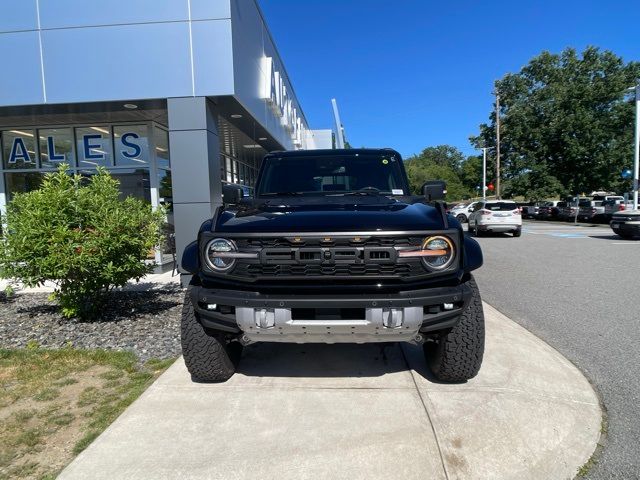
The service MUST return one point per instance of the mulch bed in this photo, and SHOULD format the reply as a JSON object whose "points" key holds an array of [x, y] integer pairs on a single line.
{"points": [[147, 323]]}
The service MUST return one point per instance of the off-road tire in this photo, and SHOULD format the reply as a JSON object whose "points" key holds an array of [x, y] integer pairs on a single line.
{"points": [[517, 233], [457, 354], [209, 357]]}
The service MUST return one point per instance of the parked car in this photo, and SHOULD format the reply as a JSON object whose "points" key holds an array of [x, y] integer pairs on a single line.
{"points": [[568, 212], [496, 216], [590, 210], [616, 205], [549, 210], [626, 223], [462, 211], [531, 210]]}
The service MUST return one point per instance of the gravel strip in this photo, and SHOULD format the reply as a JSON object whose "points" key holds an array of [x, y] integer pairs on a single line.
{"points": [[147, 323]]}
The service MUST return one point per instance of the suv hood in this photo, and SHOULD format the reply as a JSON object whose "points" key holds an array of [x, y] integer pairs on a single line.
{"points": [[354, 215]]}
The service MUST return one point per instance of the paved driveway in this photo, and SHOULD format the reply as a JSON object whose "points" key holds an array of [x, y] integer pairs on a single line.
{"points": [[358, 412], [577, 288]]}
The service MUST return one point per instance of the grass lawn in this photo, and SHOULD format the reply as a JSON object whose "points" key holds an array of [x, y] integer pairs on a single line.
{"points": [[54, 403]]}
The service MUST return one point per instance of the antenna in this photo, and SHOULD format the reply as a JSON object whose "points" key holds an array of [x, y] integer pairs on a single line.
{"points": [[339, 127]]}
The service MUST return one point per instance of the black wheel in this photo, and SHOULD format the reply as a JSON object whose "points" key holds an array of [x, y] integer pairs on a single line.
{"points": [[476, 232], [456, 355], [461, 218], [209, 357], [517, 233]]}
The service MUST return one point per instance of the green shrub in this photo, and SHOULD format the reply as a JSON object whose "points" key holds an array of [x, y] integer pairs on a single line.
{"points": [[78, 233]]}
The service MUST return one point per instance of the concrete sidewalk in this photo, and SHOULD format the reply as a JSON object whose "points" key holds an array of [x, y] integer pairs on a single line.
{"points": [[358, 412]]}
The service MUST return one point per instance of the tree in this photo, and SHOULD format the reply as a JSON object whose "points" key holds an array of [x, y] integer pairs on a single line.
{"points": [[77, 233], [566, 126], [442, 162]]}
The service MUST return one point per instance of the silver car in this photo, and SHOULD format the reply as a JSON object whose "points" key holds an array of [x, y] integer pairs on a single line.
{"points": [[462, 211]]}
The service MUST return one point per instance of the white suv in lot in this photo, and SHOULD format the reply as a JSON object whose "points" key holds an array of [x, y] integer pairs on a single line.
{"points": [[495, 216]]}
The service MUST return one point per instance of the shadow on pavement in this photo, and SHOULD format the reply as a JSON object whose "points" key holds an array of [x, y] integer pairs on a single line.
{"points": [[336, 360], [612, 237]]}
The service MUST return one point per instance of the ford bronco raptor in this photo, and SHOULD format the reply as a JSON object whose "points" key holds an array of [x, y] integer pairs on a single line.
{"points": [[332, 247]]}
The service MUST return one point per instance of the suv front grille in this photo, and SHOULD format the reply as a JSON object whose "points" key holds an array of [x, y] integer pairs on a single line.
{"points": [[365, 257], [331, 270]]}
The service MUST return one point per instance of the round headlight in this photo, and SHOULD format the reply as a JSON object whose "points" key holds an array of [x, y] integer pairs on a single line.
{"points": [[439, 252], [215, 254]]}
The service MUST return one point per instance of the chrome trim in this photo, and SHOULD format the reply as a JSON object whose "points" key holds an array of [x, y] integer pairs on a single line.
{"points": [[235, 255]]}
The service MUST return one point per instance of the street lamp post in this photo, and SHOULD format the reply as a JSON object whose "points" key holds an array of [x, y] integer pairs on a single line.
{"points": [[636, 155], [484, 174]]}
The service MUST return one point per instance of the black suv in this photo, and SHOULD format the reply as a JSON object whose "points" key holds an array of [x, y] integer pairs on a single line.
{"points": [[332, 248]]}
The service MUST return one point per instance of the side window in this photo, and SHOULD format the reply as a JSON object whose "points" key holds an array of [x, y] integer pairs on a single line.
{"points": [[478, 206]]}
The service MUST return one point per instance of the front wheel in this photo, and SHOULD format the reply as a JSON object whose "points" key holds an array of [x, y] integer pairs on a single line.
{"points": [[208, 357], [517, 233], [456, 355]]}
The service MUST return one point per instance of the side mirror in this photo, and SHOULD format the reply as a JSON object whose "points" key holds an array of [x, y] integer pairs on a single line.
{"points": [[434, 190], [231, 194]]}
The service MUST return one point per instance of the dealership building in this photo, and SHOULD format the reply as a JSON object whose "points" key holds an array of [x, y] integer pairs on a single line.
{"points": [[173, 97]]}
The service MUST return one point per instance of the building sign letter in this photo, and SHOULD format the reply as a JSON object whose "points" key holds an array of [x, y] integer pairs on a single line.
{"points": [[127, 143], [19, 152], [88, 147], [51, 149]]}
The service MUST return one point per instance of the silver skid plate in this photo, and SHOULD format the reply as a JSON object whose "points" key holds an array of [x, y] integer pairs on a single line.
{"points": [[379, 325]]}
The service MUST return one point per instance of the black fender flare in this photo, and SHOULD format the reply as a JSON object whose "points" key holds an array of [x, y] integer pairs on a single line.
{"points": [[473, 258]]}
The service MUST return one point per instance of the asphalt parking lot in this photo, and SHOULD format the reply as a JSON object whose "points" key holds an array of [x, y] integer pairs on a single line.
{"points": [[577, 288]]}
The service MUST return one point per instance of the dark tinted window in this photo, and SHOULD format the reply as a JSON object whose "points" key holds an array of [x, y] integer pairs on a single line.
{"points": [[501, 206], [326, 174]]}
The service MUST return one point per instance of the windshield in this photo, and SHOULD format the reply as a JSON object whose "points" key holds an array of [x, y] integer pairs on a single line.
{"points": [[332, 175], [501, 206]]}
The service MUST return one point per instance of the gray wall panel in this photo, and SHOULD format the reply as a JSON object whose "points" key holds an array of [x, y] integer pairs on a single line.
{"points": [[21, 83], [251, 43], [119, 62], [188, 218], [18, 15], [83, 13], [213, 57], [210, 9], [190, 166]]}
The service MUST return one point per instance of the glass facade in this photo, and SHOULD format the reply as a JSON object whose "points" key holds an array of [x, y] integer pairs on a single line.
{"points": [[137, 155], [240, 156]]}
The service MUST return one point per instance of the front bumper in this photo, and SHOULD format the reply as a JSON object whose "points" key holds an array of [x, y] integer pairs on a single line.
{"points": [[625, 227], [330, 319]]}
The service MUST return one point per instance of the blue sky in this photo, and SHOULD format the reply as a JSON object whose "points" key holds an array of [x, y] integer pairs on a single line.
{"points": [[409, 74]]}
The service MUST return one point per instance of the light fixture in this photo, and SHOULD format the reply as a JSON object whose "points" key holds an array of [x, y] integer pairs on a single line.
{"points": [[236, 115], [130, 106], [262, 139], [255, 145], [20, 132], [101, 130]]}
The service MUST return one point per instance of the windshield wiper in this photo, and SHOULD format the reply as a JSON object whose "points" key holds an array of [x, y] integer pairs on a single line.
{"points": [[280, 194], [373, 191]]}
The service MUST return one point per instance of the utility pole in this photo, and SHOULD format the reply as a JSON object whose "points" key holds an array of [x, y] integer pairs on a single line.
{"points": [[636, 155], [497, 145]]}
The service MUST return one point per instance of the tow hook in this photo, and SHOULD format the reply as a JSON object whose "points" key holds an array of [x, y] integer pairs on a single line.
{"points": [[245, 340]]}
